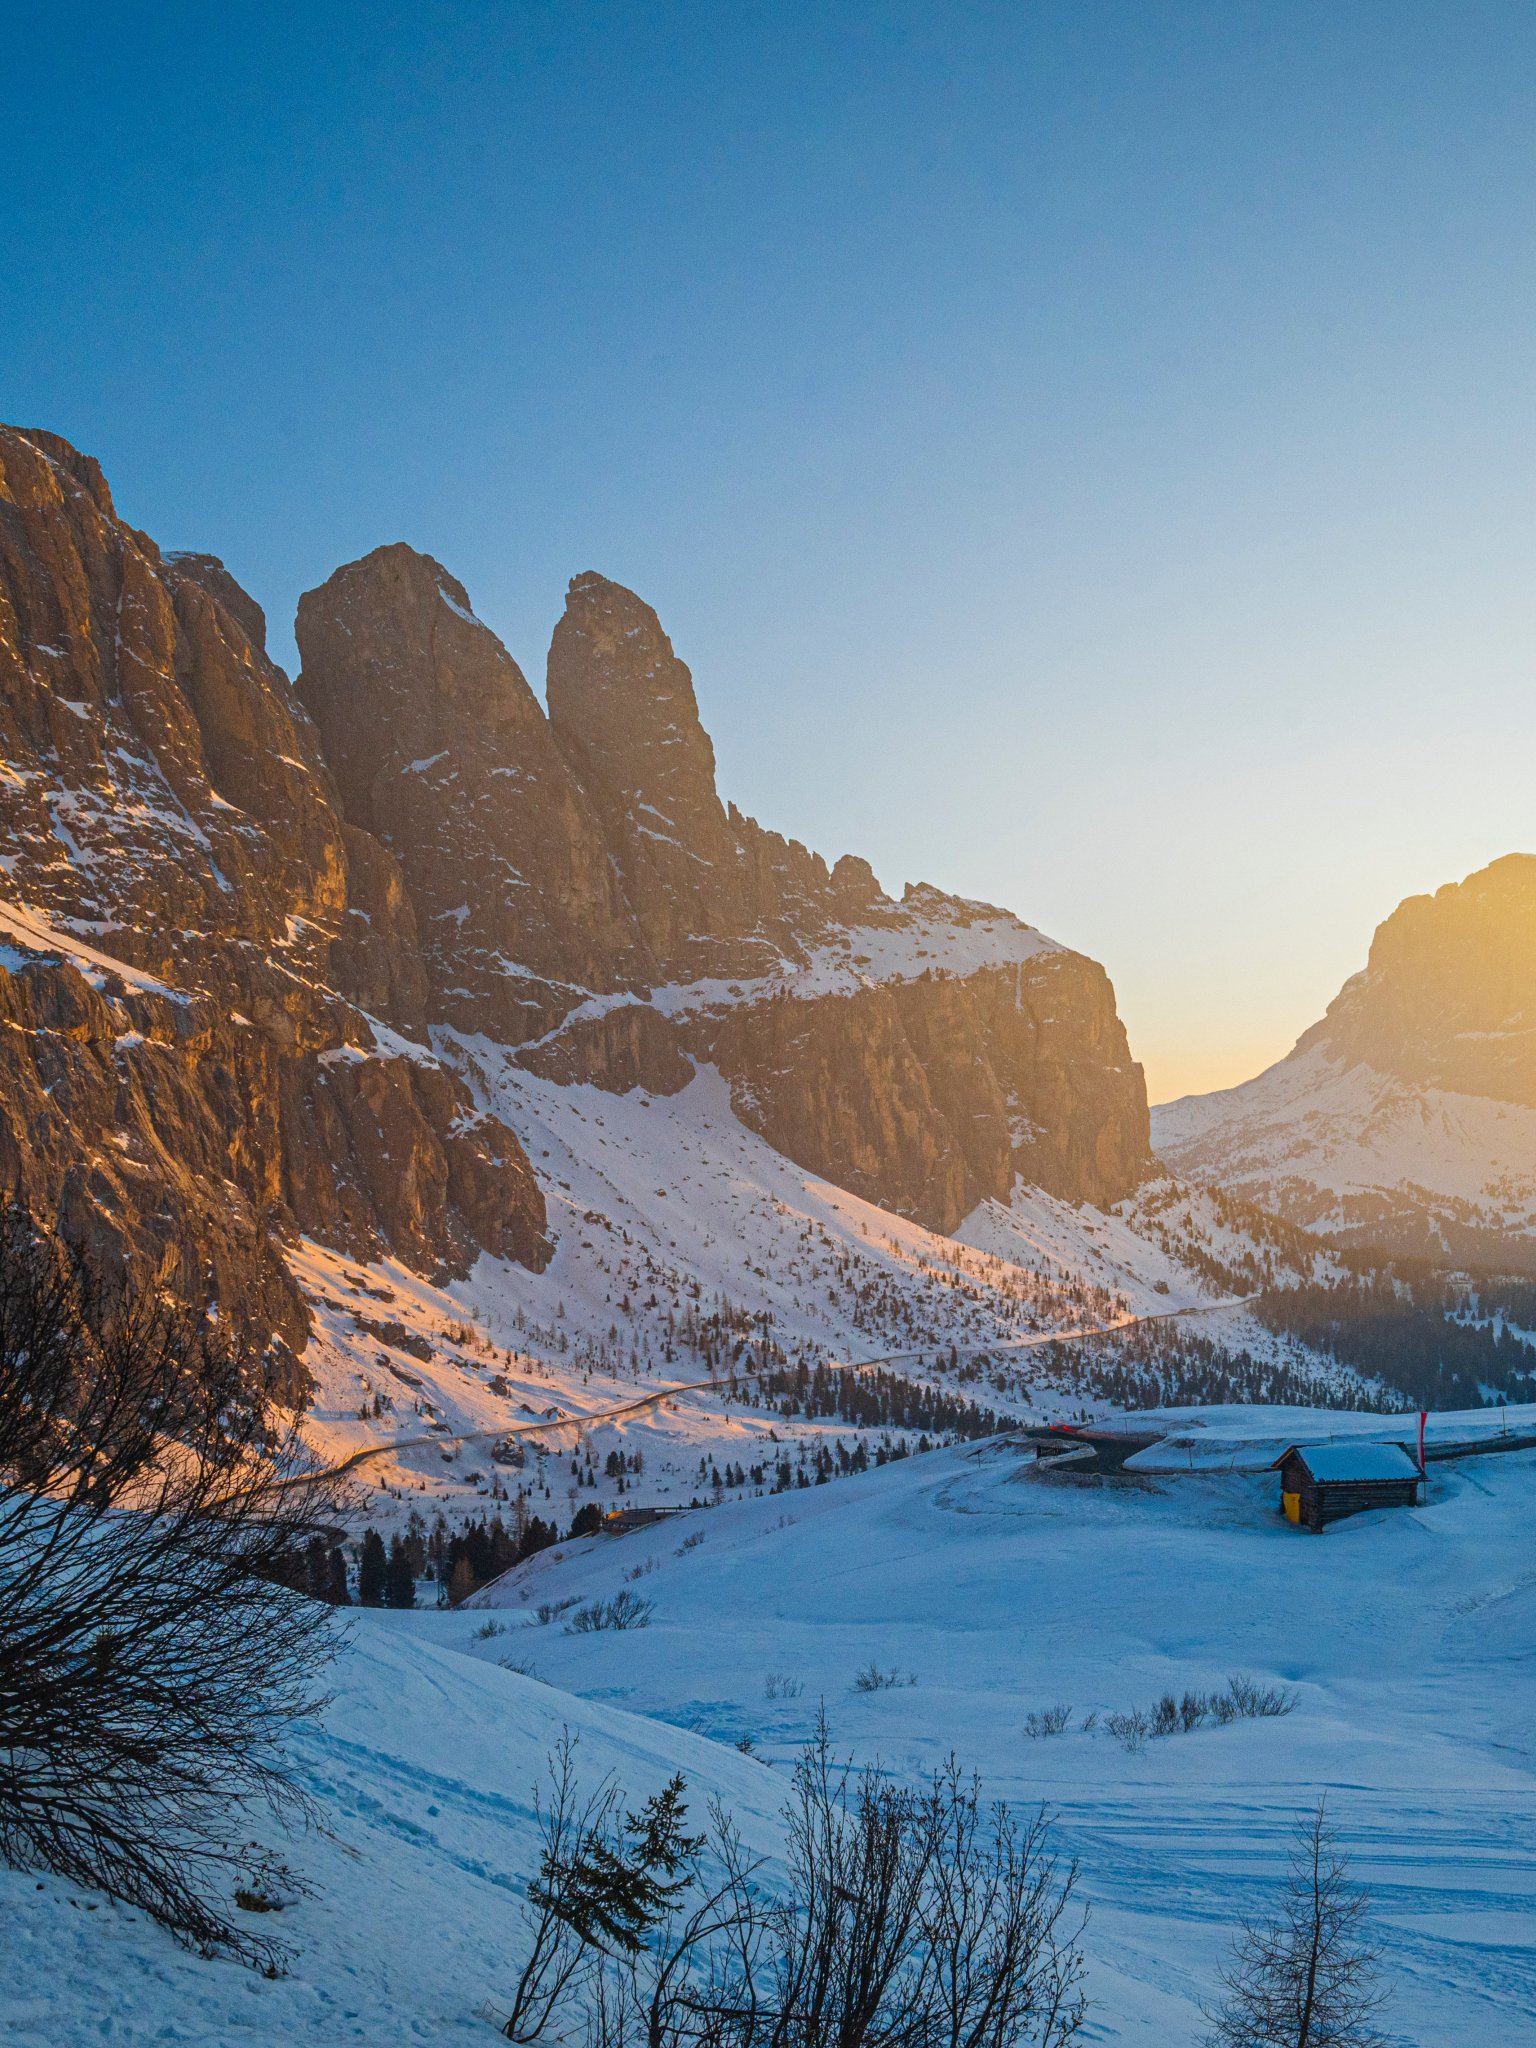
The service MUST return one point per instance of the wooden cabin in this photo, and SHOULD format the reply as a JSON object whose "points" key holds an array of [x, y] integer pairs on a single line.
{"points": [[1323, 1482], [624, 1521]]}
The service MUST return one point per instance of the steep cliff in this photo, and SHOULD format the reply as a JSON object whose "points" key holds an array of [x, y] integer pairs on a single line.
{"points": [[439, 747], [233, 909], [588, 897], [191, 937]]}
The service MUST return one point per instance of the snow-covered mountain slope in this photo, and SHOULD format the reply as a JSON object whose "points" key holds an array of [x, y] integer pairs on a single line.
{"points": [[1348, 1151], [423, 1770], [685, 1246], [1405, 1636], [1407, 1117]]}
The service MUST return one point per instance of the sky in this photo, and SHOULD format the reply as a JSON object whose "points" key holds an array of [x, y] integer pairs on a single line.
{"points": [[1086, 452]]}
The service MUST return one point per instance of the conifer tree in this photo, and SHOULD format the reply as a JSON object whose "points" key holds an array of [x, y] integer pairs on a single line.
{"points": [[371, 1571], [1307, 1978], [336, 1590], [399, 1579]]}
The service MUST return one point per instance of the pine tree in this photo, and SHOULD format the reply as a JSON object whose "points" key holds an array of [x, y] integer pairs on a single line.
{"points": [[461, 1582], [316, 1569], [615, 1888], [399, 1579], [1308, 1977], [336, 1589], [371, 1570]]}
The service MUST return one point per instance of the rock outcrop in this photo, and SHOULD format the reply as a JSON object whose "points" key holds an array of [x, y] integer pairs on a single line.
{"points": [[194, 940], [246, 927], [1447, 998], [441, 750], [586, 895]]}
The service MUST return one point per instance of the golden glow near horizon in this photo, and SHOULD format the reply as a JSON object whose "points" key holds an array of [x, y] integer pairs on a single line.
{"points": [[1175, 1069]]}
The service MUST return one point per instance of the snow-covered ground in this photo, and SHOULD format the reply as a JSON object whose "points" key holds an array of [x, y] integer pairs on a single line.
{"points": [[1406, 1636]]}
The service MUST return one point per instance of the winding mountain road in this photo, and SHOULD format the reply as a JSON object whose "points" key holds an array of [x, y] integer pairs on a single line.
{"points": [[588, 1418]]}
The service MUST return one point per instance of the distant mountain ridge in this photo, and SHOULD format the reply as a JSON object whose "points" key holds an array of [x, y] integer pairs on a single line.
{"points": [[1406, 1117], [254, 931]]}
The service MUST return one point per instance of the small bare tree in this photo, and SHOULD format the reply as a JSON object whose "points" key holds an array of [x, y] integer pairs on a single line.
{"points": [[1308, 1977], [151, 1657], [905, 1919]]}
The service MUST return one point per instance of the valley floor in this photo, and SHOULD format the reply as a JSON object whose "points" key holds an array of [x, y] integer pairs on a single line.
{"points": [[1409, 1638]]}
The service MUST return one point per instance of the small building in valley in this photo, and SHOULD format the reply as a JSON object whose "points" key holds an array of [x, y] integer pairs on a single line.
{"points": [[1323, 1482]]}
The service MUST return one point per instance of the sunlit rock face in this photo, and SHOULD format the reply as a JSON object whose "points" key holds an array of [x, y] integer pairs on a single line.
{"points": [[1448, 995], [923, 1052], [194, 941], [441, 750], [234, 910]]}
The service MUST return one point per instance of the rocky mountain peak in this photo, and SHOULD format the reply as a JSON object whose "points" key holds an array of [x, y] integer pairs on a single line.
{"points": [[188, 926], [440, 747], [621, 699], [623, 708]]}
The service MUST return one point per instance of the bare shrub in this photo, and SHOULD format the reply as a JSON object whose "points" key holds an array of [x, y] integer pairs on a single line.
{"points": [[1164, 1717], [779, 1685], [873, 1679], [1048, 1721], [1129, 1730], [906, 1919], [1242, 1699], [550, 1610], [624, 1610], [153, 1654], [1251, 1701]]}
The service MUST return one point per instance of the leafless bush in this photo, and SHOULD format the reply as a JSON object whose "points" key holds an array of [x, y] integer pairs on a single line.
{"points": [[624, 1610], [906, 1919], [1048, 1721], [1129, 1730], [549, 1610], [692, 1542], [1242, 1699], [873, 1679], [1251, 1701], [152, 1654], [779, 1685]]}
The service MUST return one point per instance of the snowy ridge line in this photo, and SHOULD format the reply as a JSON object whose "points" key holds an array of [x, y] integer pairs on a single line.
{"points": [[922, 939], [591, 1417]]}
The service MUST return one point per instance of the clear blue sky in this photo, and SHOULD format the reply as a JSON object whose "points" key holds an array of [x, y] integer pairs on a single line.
{"points": [[1085, 451]]}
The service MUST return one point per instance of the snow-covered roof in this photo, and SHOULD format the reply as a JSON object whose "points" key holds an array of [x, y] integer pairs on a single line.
{"points": [[1357, 1461]]}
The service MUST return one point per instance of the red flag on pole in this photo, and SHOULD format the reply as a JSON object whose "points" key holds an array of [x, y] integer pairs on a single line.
{"points": [[1423, 1418]]}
